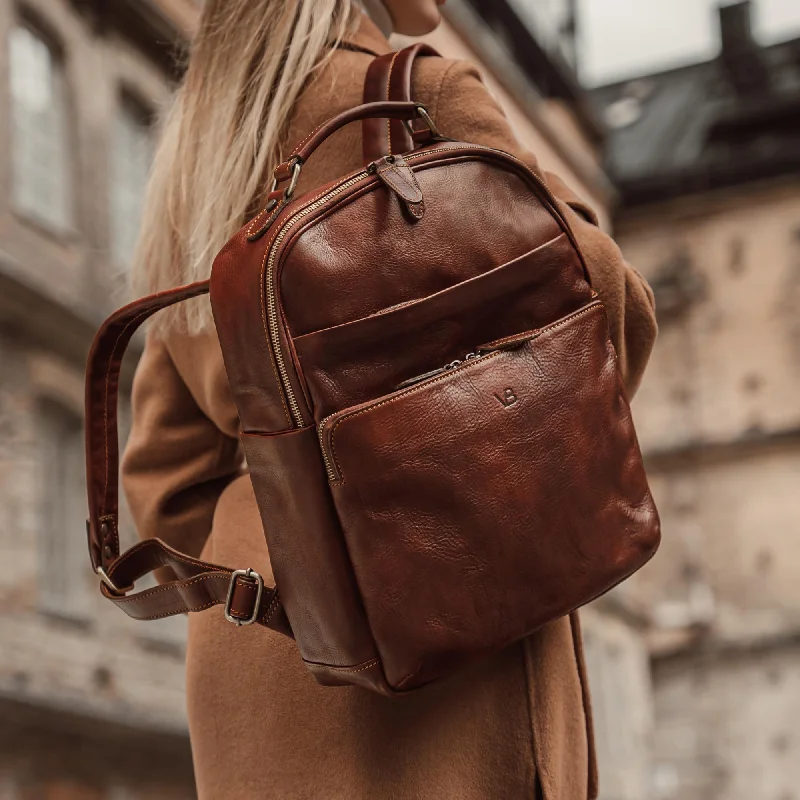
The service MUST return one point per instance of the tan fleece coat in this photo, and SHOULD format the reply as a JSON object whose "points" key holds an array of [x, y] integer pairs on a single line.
{"points": [[260, 726]]}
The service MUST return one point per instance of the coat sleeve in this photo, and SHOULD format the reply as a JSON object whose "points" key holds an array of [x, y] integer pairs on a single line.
{"points": [[464, 109], [177, 461]]}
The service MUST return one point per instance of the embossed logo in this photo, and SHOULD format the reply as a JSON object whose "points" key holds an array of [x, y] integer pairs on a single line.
{"points": [[508, 398]]}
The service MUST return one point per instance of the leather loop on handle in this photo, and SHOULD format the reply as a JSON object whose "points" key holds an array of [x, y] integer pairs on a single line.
{"points": [[386, 110], [200, 585], [389, 78]]}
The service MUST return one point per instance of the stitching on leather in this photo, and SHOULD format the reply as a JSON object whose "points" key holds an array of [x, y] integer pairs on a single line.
{"points": [[517, 337], [308, 139], [173, 613], [174, 554], [235, 611], [252, 224], [411, 184], [159, 590], [106, 437], [535, 334], [258, 216], [388, 97], [571, 317], [273, 607], [367, 665], [427, 384]]}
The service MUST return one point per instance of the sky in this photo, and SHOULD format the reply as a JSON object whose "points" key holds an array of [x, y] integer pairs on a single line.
{"points": [[621, 38]]}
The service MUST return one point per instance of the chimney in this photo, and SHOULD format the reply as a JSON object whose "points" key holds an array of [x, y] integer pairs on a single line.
{"points": [[741, 57]]}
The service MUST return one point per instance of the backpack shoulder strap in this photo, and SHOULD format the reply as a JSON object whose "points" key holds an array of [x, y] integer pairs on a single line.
{"points": [[199, 585], [389, 78]]}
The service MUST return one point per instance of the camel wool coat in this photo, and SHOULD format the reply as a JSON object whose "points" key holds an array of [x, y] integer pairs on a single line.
{"points": [[515, 726]]}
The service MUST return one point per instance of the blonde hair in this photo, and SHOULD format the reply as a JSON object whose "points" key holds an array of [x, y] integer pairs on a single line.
{"points": [[223, 135]]}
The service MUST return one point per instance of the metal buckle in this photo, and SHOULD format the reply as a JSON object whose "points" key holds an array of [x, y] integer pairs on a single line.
{"points": [[103, 575], [251, 575], [297, 167], [426, 118]]}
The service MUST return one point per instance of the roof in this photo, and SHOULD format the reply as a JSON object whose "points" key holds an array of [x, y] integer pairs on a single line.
{"points": [[702, 126]]}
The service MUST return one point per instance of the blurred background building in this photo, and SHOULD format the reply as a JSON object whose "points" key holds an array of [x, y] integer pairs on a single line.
{"points": [[706, 159], [91, 705], [695, 663]]}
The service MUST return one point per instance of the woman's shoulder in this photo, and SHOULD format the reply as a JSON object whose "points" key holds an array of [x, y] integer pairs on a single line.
{"points": [[462, 106], [436, 79]]}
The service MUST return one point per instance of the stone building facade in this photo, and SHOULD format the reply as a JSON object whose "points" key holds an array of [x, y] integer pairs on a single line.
{"points": [[707, 162], [91, 705]]}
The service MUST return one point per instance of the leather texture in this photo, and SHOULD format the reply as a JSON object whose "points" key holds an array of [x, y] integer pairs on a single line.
{"points": [[411, 530], [388, 77], [471, 503]]}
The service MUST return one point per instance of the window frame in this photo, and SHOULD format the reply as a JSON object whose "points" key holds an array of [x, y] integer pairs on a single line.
{"points": [[36, 24], [127, 100], [65, 556]]}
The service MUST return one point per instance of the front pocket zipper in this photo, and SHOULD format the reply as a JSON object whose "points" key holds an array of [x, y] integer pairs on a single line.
{"points": [[480, 355], [434, 372]]}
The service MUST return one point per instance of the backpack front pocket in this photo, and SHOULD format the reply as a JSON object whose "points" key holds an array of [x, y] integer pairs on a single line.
{"points": [[490, 499]]}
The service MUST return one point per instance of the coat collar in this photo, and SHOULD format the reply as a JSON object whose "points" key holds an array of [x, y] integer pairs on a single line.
{"points": [[368, 38]]}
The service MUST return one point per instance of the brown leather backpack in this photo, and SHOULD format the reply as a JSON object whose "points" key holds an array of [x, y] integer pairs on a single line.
{"points": [[432, 414]]}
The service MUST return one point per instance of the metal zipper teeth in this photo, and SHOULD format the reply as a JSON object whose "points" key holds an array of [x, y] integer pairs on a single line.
{"points": [[272, 311], [332, 476]]}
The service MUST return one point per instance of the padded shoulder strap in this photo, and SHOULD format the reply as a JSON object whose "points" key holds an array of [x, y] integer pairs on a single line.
{"points": [[199, 585], [389, 78]]}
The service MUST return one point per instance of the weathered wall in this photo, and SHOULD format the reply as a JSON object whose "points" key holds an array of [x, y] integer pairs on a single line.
{"points": [[719, 422], [91, 702]]}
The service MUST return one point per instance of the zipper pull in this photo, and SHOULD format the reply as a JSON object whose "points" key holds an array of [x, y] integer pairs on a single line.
{"points": [[433, 373], [399, 177]]}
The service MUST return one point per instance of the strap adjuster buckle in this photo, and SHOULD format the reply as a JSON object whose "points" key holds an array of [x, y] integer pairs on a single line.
{"points": [[103, 575], [258, 581]]}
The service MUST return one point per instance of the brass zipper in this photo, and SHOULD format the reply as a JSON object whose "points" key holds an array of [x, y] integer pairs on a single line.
{"points": [[435, 372], [272, 306]]}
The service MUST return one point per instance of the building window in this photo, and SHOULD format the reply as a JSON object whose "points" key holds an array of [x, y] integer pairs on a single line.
{"points": [[131, 157], [39, 129], [66, 578]]}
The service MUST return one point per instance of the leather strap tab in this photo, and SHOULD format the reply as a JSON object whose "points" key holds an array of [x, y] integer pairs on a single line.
{"points": [[398, 176], [199, 585], [389, 78]]}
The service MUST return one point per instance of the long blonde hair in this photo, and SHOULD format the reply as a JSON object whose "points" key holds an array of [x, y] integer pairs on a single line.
{"points": [[249, 62]]}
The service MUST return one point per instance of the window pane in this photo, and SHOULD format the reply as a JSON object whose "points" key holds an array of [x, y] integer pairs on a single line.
{"points": [[39, 129], [131, 156], [65, 575]]}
